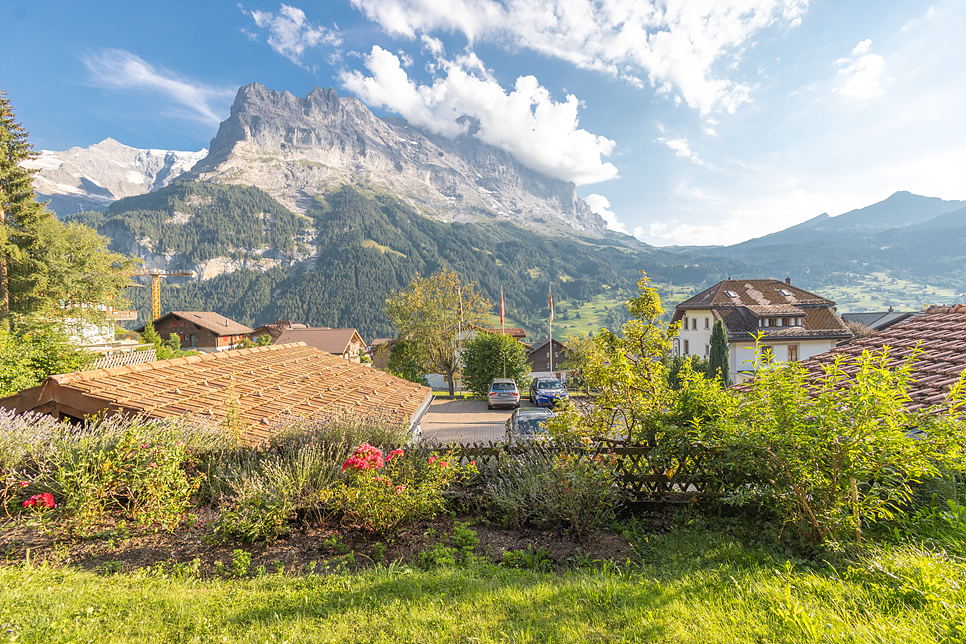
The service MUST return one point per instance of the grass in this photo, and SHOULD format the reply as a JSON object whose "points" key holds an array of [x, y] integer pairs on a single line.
{"points": [[879, 291], [694, 585]]}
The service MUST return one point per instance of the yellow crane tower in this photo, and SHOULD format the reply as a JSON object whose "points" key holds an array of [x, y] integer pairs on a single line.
{"points": [[156, 274]]}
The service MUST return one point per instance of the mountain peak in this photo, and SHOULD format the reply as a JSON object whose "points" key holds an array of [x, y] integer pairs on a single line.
{"points": [[295, 148]]}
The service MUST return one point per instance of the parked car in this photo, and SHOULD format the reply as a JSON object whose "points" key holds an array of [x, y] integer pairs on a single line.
{"points": [[503, 393], [547, 391], [527, 424]]}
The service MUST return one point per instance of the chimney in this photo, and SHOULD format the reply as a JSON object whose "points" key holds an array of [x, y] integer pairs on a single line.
{"points": [[788, 280], [890, 309]]}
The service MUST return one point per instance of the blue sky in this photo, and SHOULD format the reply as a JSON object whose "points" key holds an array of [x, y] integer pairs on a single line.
{"points": [[683, 122]]}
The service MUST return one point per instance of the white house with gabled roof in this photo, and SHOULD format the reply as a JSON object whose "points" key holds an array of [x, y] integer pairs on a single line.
{"points": [[793, 324]]}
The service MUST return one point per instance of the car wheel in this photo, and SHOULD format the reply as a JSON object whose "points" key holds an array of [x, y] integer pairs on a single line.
{"points": [[489, 406]]}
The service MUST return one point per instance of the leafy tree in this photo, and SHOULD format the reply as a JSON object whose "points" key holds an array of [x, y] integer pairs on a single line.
{"points": [[430, 314], [164, 349], [403, 364], [579, 350], [718, 360], [628, 371], [675, 366], [32, 349], [493, 355]]}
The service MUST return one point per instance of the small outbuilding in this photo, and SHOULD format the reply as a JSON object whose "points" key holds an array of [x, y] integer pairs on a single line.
{"points": [[201, 330], [262, 386]]}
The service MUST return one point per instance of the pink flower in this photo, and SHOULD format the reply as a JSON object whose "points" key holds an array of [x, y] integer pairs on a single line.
{"points": [[400, 488], [24, 483], [354, 463], [432, 459], [153, 465], [371, 456], [382, 479], [394, 453], [45, 499], [473, 463]]}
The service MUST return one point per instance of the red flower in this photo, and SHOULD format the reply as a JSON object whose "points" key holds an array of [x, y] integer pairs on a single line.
{"points": [[394, 453], [153, 465], [473, 463], [45, 499], [24, 483], [432, 459]]}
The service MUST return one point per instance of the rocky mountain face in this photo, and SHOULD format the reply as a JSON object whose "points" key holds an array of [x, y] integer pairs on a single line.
{"points": [[92, 178], [295, 148]]}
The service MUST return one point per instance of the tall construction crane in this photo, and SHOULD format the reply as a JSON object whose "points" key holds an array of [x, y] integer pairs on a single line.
{"points": [[156, 274]]}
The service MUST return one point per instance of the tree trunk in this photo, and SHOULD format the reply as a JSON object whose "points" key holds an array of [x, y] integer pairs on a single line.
{"points": [[452, 385]]}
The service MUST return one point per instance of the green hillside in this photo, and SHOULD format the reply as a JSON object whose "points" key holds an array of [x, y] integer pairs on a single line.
{"points": [[371, 244]]}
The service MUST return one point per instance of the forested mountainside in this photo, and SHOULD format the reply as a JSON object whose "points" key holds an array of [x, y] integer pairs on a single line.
{"points": [[368, 244], [201, 221]]}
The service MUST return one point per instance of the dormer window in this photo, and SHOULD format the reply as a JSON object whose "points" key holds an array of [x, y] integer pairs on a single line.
{"points": [[731, 294], [784, 292]]}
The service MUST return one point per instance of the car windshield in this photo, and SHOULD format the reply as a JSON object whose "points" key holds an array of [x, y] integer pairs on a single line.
{"points": [[502, 386], [550, 384], [531, 425]]}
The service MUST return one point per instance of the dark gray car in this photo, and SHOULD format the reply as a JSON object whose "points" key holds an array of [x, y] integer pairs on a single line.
{"points": [[528, 424]]}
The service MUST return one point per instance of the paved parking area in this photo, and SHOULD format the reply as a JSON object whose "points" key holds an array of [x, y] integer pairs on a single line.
{"points": [[464, 421]]}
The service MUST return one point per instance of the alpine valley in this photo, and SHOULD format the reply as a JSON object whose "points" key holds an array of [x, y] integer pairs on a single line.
{"points": [[313, 209]]}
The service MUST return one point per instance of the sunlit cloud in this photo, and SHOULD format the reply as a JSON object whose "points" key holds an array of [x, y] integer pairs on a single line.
{"points": [[861, 74], [671, 44], [600, 204], [120, 69], [464, 98], [291, 34]]}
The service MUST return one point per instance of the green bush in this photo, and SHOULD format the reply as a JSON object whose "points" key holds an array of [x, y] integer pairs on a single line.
{"points": [[574, 491]]}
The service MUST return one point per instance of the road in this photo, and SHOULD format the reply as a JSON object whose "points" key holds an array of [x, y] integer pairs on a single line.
{"points": [[464, 421]]}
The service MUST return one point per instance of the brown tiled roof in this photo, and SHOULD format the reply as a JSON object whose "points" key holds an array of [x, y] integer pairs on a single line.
{"points": [[270, 384], [217, 324], [763, 292], [511, 331], [761, 298], [334, 341], [941, 335]]}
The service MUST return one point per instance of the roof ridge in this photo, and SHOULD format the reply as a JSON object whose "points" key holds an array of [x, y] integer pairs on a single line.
{"points": [[80, 376]]}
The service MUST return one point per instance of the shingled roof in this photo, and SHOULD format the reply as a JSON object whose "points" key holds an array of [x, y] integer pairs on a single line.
{"points": [[940, 333], [739, 304], [214, 322], [334, 341], [270, 384]]}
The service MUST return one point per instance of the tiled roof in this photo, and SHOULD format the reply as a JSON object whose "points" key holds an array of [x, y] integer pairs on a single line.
{"points": [[755, 299], [511, 331], [763, 292], [941, 335], [819, 322], [270, 384], [334, 341], [217, 324]]}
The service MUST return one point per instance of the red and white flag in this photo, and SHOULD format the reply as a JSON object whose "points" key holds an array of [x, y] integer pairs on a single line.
{"points": [[551, 304], [502, 308]]}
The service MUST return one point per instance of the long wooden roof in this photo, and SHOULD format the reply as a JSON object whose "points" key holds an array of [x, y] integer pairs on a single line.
{"points": [[264, 384]]}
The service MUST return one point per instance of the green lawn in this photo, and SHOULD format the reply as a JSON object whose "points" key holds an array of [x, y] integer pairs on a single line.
{"points": [[692, 586]]}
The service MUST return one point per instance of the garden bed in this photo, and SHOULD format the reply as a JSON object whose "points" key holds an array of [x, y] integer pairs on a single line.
{"points": [[315, 548]]}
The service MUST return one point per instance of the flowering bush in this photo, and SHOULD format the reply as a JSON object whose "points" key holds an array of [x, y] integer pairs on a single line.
{"points": [[381, 494], [146, 479]]}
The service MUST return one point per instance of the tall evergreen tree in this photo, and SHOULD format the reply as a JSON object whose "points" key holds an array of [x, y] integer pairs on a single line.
{"points": [[19, 210], [719, 354]]}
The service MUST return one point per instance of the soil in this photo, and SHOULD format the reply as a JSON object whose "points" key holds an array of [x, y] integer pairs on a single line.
{"points": [[309, 548]]}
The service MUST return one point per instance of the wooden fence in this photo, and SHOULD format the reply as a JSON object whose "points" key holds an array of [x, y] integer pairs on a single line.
{"points": [[641, 471]]}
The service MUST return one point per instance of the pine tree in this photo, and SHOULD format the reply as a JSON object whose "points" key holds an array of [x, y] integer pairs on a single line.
{"points": [[719, 354], [19, 211]]}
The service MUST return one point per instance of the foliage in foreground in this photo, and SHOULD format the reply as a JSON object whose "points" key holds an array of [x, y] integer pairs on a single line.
{"points": [[32, 349], [692, 585]]}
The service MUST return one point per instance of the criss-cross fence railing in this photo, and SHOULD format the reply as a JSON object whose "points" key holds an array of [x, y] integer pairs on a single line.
{"points": [[642, 471]]}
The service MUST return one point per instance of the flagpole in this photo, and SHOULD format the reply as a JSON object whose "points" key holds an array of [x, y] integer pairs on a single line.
{"points": [[550, 345], [503, 330]]}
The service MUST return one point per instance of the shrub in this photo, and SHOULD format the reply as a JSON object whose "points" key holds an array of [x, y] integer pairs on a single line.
{"points": [[380, 494], [571, 490]]}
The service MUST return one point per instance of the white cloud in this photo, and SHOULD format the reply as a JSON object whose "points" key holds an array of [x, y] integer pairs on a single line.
{"points": [[464, 98], [120, 69], [291, 34], [681, 149], [600, 204], [670, 43], [861, 73]]}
